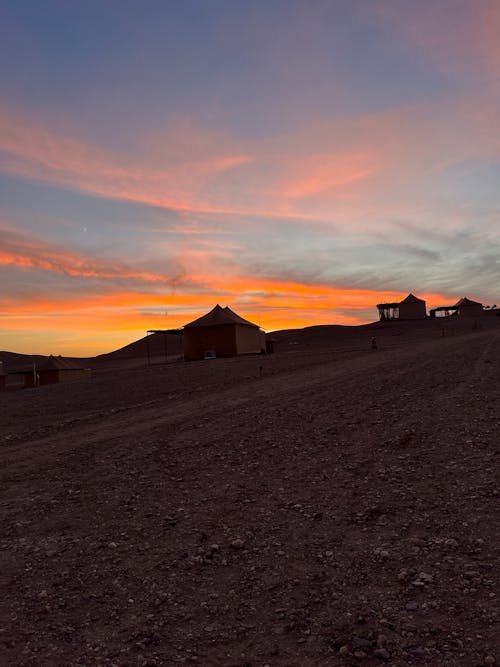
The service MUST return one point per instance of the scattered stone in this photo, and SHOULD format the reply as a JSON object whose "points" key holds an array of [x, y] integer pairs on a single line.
{"points": [[359, 655], [237, 543], [490, 660], [382, 654]]}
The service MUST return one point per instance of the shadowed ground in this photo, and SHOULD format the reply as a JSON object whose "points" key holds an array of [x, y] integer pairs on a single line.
{"points": [[327, 505]]}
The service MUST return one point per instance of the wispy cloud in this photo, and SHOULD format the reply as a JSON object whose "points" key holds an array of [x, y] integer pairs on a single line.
{"points": [[21, 251]]}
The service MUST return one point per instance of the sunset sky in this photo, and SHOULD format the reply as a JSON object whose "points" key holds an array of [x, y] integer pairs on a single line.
{"points": [[297, 161]]}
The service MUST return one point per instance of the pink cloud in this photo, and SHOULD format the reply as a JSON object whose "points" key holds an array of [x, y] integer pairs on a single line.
{"points": [[27, 252], [33, 151], [357, 167]]}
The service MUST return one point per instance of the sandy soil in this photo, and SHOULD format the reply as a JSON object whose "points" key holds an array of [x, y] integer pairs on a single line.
{"points": [[327, 505]]}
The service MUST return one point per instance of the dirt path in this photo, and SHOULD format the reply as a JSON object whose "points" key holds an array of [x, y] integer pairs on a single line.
{"points": [[337, 514]]}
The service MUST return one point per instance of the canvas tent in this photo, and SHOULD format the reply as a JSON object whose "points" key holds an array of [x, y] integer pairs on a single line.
{"points": [[463, 308], [410, 308], [222, 332], [468, 308], [54, 370]]}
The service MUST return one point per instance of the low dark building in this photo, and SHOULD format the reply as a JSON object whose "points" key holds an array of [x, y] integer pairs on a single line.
{"points": [[53, 371], [222, 333], [463, 308], [410, 308]]}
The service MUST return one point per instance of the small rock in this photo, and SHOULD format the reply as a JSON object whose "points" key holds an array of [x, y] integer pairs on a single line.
{"points": [[411, 606], [343, 650], [382, 654], [237, 543], [490, 660], [359, 655]]}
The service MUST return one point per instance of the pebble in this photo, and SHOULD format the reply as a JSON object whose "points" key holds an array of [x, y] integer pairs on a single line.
{"points": [[237, 543], [343, 650], [359, 655], [382, 653], [490, 660], [411, 606]]}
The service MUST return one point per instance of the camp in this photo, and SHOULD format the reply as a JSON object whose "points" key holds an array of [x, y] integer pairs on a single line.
{"points": [[222, 333]]}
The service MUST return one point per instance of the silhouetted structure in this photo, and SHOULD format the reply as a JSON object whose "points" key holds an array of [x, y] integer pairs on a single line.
{"points": [[223, 332], [463, 308], [54, 370], [410, 308]]}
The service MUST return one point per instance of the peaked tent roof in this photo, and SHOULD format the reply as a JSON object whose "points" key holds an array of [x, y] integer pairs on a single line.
{"points": [[411, 298], [217, 316], [58, 364], [464, 301]]}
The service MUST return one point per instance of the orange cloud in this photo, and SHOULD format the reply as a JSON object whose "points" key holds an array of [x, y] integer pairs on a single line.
{"points": [[31, 253], [124, 316]]}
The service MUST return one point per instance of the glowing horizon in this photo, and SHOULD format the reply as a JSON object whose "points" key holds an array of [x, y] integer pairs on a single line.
{"points": [[297, 162]]}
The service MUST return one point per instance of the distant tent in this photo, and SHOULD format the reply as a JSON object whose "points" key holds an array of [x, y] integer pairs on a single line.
{"points": [[54, 370], [464, 307], [467, 308], [410, 308], [222, 332]]}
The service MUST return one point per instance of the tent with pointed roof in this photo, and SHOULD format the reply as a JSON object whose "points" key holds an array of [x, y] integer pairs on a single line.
{"points": [[464, 307], [223, 332], [54, 370], [467, 308], [410, 308]]}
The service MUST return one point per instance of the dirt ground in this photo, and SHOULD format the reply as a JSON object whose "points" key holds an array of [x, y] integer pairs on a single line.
{"points": [[327, 505]]}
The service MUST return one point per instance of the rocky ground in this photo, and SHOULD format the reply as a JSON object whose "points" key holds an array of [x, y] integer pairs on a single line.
{"points": [[322, 506]]}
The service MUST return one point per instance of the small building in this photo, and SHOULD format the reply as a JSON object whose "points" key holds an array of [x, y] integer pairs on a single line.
{"points": [[410, 308], [53, 371], [468, 308], [463, 308], [222, 333]]}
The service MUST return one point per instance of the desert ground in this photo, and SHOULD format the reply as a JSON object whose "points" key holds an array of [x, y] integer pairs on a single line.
{"points": [[326, 505]]}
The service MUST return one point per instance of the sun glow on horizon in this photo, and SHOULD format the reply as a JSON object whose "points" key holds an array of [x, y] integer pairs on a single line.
{"points": [[301, 166]]}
